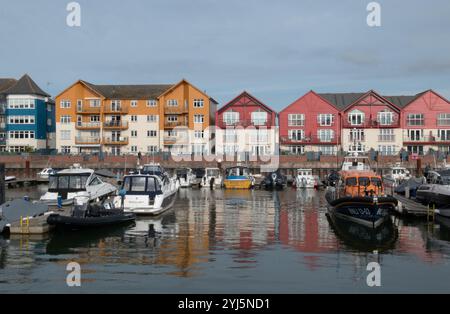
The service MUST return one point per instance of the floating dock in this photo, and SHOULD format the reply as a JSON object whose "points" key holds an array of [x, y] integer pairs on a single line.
{"points": [[407, 206]]}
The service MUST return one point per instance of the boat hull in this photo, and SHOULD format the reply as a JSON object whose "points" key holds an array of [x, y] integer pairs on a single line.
{"points": [[167, 203], [243, 184], [69, 222]]}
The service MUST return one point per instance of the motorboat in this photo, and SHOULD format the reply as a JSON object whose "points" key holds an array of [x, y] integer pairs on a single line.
{"points": [[359, 195], [9, 179], [45, 173], [67, 184], [274, 180], [90, 215], [305, 179], [238, 177], [356, 162], [437, 190], [397, 175], [185, 177], [331, 178], [147, 194], [211, 178]]}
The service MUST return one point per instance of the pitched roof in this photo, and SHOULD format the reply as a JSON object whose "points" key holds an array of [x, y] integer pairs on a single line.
{"points": [[6, 83], [403, 101], [147, 91], [26, 86], [248, 95], [341, 100]]}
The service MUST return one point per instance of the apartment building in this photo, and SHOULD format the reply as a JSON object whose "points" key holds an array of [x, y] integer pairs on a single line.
{"points": [[246, 128], [128, 119], [26, 116]]}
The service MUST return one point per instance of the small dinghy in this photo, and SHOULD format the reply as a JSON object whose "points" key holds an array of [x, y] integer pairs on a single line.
{"points": [[91, 215]]}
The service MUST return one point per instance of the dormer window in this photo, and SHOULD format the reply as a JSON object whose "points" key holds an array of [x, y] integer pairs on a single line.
{"points": [[385, 117], [230, 117], [356, 117], [259, 117]]}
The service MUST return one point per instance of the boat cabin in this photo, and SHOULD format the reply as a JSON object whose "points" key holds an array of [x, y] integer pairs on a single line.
{"points": [[72, 180], [141, 184], [238, 171], [361, 183]]}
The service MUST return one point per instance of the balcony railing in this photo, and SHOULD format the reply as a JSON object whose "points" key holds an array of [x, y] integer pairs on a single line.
{"points": [[386, 138], [114, 109], [88, 125], [122, 125], [371, 123], [121, 140], [223, 123], [312, 140], [175, 109], [426, 140], [90, 140], [88, 110], [172, 124], [175, 139]]}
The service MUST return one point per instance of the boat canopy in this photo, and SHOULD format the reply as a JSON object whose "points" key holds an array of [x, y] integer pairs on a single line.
{"points": [[66, 181], [141, 184], [238, 171], [212, 172], [152, 169]]}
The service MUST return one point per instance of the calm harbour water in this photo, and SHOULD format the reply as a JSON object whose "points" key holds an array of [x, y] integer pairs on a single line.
{"points": [[226, 241]]}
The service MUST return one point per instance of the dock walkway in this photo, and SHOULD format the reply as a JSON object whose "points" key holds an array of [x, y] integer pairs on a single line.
{"points": [[407, 206]]}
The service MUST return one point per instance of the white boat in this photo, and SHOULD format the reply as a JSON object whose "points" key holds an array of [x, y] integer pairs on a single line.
{"points": [[355, 162], [305, 179], [76, 181], [397, 175], [45, 173], [185, 177], [9, 178], [211, 174], [147, 194]]}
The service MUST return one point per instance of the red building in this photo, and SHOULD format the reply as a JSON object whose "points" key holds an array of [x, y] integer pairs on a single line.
{"points": [[310, 123], [246, 125]]}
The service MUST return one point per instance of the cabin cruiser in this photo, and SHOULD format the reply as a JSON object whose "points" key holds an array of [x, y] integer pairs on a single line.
{"points": [[437, 189], [45, 173], [274, 180], [397, 175], [9, 179], [185, 177], [305, 179], [359, 195], [238, 177], [211, 175], [67, 184], [145, 193]]}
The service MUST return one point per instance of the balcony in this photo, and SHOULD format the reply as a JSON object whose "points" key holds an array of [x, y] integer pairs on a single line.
{"points": [[173, 124], [121, 140], [358, 138], [115, 125], [311, 140], [426, 140], [371, 124], [88, 110], [115, 109], [87, 125], [176, 110], [386, 138], [87, 140], [175, 140], [244, 123]]}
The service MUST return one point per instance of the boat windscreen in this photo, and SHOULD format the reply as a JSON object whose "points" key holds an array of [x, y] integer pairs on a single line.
{"points": [[140, 184], [376, 181], [154, 169], [364, 181], [351, 181], [68, 182], [212, 172]]}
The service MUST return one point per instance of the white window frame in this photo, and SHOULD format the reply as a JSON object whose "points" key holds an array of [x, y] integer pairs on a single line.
{"points": [[325, 119], [296, 119]]}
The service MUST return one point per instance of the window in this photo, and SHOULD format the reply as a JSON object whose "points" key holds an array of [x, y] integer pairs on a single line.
{"points": [[133, 133], [21, 134], [387, 150], [134, 149], [327, 150], [65, 149], [296, 135], [65, 135], [325, 119], [152, 149], [94, 103], [79, 103], [356, 117], [21, 120], [198, 118], [230, 117], [152, 133], [20, 103], [385, 117], [152, 103], [172, 118], [65, 119], [94, 118], [133, 118], [259, 117], [172, 103], [152, 118], [415, 135], [357, 136], [297, 149], [198, 134], [357, 148], [65, 104], [325, 135], [443, 119], [386, 135], [296, 119], [133, 103], [230, 136], [415, 119], [198, 103], [415, 149], [444, 135]]}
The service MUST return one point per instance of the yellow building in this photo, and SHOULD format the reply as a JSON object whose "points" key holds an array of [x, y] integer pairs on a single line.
{"points": [[127, 119]]}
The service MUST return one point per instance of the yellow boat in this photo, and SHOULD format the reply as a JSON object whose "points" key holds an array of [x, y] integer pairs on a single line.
{"points": [[238, 178]]}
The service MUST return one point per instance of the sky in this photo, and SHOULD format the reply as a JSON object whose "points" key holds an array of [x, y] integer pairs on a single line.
{"points": [[276, 50]]}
